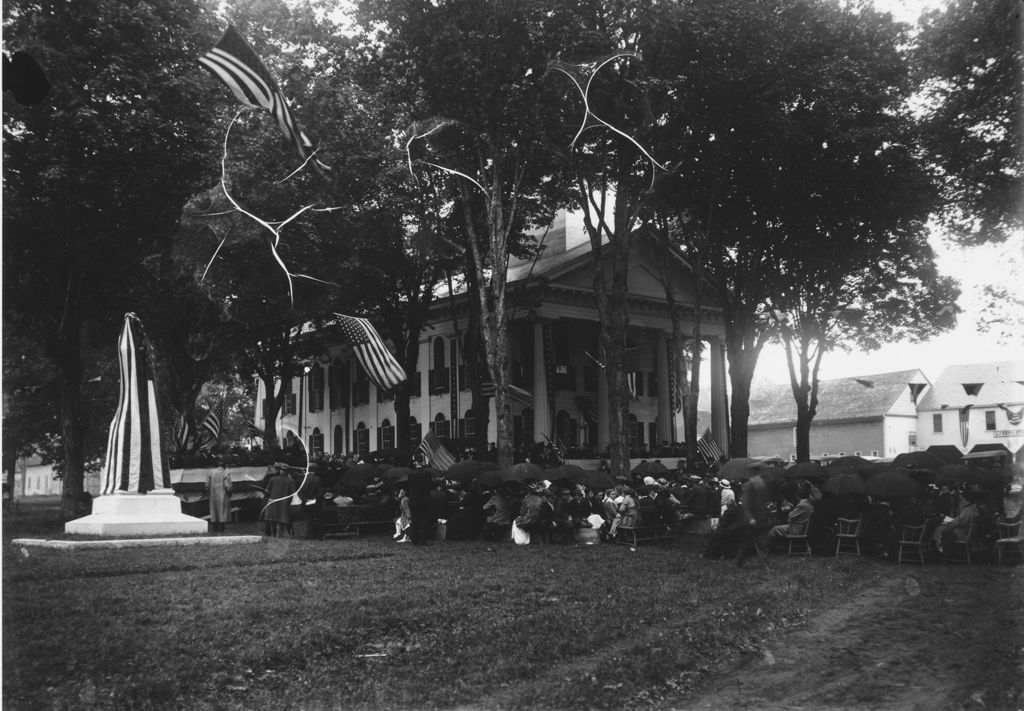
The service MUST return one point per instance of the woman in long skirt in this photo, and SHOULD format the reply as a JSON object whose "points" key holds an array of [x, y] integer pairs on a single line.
{"points": [[278, 514]]}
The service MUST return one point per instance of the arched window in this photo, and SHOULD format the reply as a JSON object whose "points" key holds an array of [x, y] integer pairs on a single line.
{"points": [[386, 434], [468, 425], [440, 426], [316, 442], [339, 440], [361, 438], [288, 440]]}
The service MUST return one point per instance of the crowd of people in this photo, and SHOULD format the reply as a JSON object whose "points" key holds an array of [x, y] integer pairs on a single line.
{"points": [[739, 519]]}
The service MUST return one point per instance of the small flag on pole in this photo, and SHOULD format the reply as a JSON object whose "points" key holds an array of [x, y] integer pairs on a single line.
{"points": [[520, 395], [380, 366], [236, 64], [708, 448], [438, 457], [182, 434], [212, 424]]}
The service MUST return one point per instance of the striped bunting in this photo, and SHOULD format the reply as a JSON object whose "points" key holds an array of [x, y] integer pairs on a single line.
{"points": [[135, 462], [437, 456], [380, 366], [632, 365], [235, 63]]}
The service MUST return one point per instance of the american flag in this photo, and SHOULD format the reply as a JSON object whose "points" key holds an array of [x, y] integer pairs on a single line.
{"points": [[708, 447], [520, 395], [632, 365], [182, 433], [235, 63], [212, 424], [380, 366], [965, 424], [438, 457]]}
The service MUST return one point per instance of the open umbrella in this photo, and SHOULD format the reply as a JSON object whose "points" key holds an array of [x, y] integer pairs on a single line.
{"points": [[741, 468], [655, 469], [468, 470], [591, 478], [395, 473], [358, 477], [844, 483], [806, 470], [893, 483], [524, 471], [850, 460], [918, 460]]}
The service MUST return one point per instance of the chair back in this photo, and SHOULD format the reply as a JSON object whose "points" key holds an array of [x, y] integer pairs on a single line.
{"points": [[850, 526], [1010, 530], [912, 534], [799, 530]]}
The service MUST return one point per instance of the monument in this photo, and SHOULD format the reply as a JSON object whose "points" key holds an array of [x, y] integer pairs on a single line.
{"points": [[136, 497]]}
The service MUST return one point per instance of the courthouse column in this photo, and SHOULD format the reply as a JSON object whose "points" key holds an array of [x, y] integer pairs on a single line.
{"points": [[719, 398], [541, 412]]}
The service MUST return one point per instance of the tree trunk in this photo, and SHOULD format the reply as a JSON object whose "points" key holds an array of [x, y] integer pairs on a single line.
{"points": [[73, 486]]}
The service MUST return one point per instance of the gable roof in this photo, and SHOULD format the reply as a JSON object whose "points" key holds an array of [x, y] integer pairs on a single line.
{"points": [[867, 396], [977, 384]]}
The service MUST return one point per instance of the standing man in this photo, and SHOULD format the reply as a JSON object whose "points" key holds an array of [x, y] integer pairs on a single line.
{"points": [[754, 503], [311, 494], [218, 488]]}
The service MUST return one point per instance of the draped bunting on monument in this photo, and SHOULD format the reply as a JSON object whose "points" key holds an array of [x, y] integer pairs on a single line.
{"points": [[135, 454]]}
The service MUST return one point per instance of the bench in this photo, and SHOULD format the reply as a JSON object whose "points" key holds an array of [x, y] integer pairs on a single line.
{"points": [[352, 520]]}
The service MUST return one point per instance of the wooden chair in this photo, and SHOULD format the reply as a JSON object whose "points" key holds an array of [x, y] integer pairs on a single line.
{"points": [[1009, 537], [797, 538], [848, 536], [911, 544], [957, 551]]}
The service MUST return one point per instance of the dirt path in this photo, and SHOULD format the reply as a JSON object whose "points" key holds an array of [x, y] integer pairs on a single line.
{"points": [[949, 637]]}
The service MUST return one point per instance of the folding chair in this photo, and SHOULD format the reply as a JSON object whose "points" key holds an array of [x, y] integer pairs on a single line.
{"points": [[1009, 536], [912, 544], [797, 537], [848, 537]]}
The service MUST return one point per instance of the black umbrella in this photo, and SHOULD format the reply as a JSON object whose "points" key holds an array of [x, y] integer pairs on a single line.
{"points": [[468, 470], [592, 478], [654, 469], [850, 460], [918, 460], [844, 483], [741, 468], [893, 483], [806, 470]]}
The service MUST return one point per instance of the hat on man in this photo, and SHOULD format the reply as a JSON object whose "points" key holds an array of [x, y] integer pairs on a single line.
{"points": [[724, 483], [649, 481]]}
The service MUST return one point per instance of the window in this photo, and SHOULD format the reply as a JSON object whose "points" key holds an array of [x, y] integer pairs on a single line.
{"points": [[337, 384], [857, 453], [652, 384], [438, 373], [362, 438], [640, 384], [469, 425], [315, 389], [339, 440], [566, 428], [565, 377], [440, 426], [937, 422], [316, 442], [972, 388], [415, 434], [289, 439], [874, 452], [590, 374], [635, 432], [288, 405], [360, 387], [842, 454], [386, 434], [990, 420]]}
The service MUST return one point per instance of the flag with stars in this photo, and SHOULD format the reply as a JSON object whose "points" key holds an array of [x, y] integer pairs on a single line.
{"points": [[380, 366]]}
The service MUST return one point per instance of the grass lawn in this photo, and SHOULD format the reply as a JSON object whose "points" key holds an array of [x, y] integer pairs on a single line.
{"points": [[365, 623]]}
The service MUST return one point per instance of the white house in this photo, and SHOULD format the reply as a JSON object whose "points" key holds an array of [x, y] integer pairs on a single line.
{"points": [[554, 357], [976, 408]]}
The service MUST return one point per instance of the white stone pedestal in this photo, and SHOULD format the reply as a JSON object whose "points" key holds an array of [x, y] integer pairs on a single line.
{"points": [[157, 513]]}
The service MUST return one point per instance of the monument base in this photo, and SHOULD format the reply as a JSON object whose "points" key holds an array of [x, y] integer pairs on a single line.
{"points": [[157, 513]]}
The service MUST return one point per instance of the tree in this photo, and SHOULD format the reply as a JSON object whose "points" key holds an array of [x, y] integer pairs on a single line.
{"points": [[474, 68], [96, 174], [968, 58]]}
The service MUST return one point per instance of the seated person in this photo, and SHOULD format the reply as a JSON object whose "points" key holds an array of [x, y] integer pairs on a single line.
{"points": [[798, 515], [499, 515], [957, 528], [724, 541], [532, 516]]}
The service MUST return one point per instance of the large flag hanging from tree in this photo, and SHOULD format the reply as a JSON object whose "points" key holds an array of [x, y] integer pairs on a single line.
{"points": [[380, 366], [135, 457], [435, 452], [236, 64], [212, 424], [632, 365]]}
